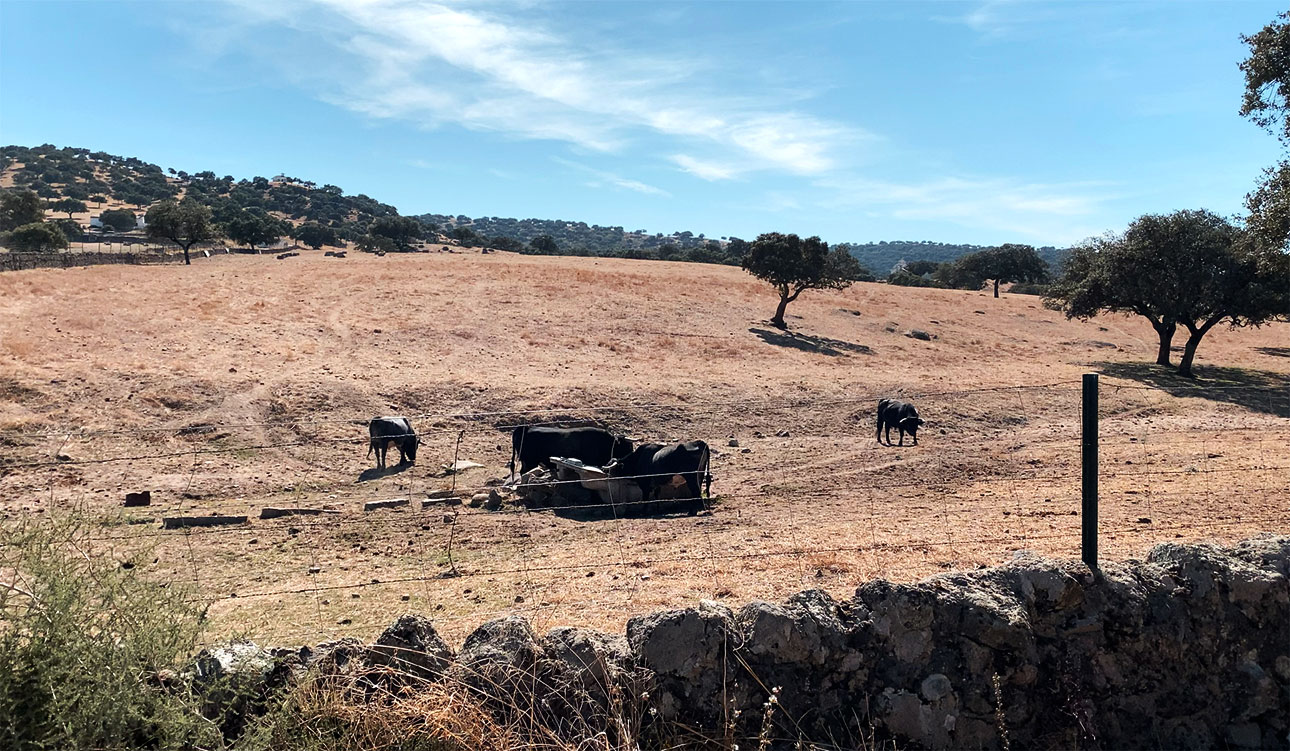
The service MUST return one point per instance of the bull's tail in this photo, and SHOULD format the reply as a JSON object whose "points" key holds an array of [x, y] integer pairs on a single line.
{"points": [[707, 472], [517, 439]]}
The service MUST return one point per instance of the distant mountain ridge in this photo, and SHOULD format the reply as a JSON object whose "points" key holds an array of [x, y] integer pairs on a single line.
{"points": [[109, 180]]}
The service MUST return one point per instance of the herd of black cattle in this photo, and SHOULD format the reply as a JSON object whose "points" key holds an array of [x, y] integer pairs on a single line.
{"points": [[650, 465]]}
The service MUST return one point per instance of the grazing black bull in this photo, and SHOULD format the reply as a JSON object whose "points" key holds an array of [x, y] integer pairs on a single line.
{"points": [[397, 430], [653, 466], [592, 446], [893, 413]]}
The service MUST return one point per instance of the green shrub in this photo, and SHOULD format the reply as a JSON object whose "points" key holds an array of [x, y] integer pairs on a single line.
{"points": [[1028, 288], [86, 647], [903, 278], [37, 237]]}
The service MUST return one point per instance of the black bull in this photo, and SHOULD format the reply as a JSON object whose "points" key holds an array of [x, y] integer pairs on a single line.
{"points": [[653, 466], [903, 416], [592, 446]]}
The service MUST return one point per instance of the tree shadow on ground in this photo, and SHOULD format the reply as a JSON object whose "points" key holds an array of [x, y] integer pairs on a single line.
{"points": [[1258, 390], [375, 473], [806, 343], [1273, 351]]}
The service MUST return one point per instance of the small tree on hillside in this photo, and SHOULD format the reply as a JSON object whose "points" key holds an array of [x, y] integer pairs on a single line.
{"points": [[70, 228], [121, 220], [1007, 263], [19, 207], [1011, 263], [466, 237], [922, 267], [544, 244], [793, 265], [736, 250], [316, 235], [401, 231], [36, 237], [185, 223], [501, 242], [1189, 268], [253, 227]]}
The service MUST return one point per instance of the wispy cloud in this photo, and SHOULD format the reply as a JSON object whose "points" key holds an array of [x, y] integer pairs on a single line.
{"points": [[707, 170], [435, 63], [1045, 212], [612, 179], [1006, 18]]}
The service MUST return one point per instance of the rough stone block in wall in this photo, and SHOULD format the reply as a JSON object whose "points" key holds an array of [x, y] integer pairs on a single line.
{"points": [[1187, 649]]}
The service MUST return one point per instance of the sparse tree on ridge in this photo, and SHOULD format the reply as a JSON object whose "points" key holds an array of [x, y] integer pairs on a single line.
{"points": [[1190, 268], [69, 206], [793, 265], [185, 223]]}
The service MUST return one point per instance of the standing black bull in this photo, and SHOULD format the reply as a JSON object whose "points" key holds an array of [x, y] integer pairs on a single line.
{"points": [[592, 446], [893, 413], [397, 430], [653, 465]]}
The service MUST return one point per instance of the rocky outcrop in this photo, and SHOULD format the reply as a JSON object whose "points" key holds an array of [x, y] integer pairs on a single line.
{"points": [[1189, 648]]}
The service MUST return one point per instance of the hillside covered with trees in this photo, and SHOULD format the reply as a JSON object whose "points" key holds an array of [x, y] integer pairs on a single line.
{"points": [[260, 210]]}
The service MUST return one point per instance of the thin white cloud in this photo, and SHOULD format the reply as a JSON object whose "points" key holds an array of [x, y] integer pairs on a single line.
{"points": [[613, 179], [435, 63], [1045, 212], [998, 19], [706, 170]]}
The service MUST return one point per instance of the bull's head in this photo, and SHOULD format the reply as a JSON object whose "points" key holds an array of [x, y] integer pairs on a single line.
{"points": [[912, 424], [410, 448], [622, 449]]}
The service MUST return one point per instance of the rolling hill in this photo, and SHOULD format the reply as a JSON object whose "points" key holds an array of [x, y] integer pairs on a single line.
{"points": [[106, 181]]}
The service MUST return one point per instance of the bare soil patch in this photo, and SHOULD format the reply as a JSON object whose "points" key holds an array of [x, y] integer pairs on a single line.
{"points": [[248, 381]]}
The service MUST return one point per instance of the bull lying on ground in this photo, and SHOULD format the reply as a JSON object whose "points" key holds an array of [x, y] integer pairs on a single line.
{"points": [[396, 430], [653, 465], [903, 416], [594, 446]]}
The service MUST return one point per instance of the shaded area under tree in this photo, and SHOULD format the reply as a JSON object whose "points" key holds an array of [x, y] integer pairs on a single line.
{"points": [[807, 343], [1258, 390]]}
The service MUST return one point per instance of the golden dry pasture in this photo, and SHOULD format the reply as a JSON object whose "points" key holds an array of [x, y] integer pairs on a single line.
{"points": [[244, 381]]}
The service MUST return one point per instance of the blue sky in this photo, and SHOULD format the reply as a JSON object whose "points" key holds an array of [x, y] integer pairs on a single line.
{"points": [[984, 122]]}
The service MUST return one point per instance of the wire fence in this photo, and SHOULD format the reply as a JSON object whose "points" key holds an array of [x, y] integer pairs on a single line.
{"points": [[803, 497]]}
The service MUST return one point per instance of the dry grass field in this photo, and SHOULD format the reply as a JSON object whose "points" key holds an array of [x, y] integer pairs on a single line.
{"points": [[248, 380]]}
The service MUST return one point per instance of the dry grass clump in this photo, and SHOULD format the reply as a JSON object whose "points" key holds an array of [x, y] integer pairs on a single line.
{"points": [[319, 715]]}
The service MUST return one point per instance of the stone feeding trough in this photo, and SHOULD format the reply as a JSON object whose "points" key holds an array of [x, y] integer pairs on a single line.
{"points": [[590, 491]]}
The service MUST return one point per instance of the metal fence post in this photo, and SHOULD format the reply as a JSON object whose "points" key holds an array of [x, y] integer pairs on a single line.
{"points": [[1088, 517]]}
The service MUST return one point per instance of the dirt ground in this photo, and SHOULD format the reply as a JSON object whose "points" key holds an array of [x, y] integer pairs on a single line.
{"points": [[243, 382]]}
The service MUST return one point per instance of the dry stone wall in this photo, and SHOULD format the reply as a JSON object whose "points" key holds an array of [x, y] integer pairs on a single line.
{"points": [[1189, 648]]}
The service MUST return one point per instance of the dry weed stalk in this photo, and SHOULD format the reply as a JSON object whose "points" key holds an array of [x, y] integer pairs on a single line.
{"points": [[999, 720], [767, 718]]}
